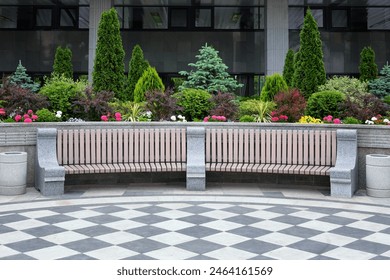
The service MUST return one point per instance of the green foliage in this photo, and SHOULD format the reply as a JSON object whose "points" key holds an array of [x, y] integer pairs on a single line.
{"points": [[387, 99], [162, 104], [325, 103], [45, 115], [137, 66], [108, 73], [367, 66], [149, 81], [131, 111], [90, 106], [351, 120], [196, 103], [225, 104], [60, 92], [381, 87], [210, 73], [260, 110], [21, 79], [63, 62], [288, 70], [177, 82], [345, 84], [309, 69], [273, 85], [247, 118]]}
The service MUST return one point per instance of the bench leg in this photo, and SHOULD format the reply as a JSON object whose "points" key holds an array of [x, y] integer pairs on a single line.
{"points": [[196, 163]]}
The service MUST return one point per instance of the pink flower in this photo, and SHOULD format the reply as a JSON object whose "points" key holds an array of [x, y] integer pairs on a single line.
{"points": [[27, 120], [104, 118], [2, 111], [283, 117], [30, 112], [118, 115], [274, 119], [34, 117], [25, 116], [206, 119], [18, 118], [214, 117], [337, 121], [118, 119]]}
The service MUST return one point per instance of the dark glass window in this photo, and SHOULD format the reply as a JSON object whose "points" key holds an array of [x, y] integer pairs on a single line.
{"points": [[8, 17], [143, 17], [203, 18], [339, 18], [358, 19], [295, 17], [178, 17], [318, 15], [68, 17], [43, 17], [233, 18], [378, 18], [83, 17]]}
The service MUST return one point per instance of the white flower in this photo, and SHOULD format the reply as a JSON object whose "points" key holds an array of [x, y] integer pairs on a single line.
{"points": [[374, 119], [173, 118], [369, 122], [59, 114], [180, 117], [386, 121]]}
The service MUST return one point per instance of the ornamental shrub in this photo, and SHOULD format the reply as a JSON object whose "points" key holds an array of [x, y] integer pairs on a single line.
{"points": [[45, 115], [260, 110], [60, 92], [225, 104], [309, 69], [162, 104], [195, 103], [149, 81], [325, 103], [367, 66], [247, 118], [137, 66], [109, 68], [63, 62], [21, 79], [288, 70], [346, 85], [381, 87], [273, 85], [351, 120], [209, 74], [291, 104]]}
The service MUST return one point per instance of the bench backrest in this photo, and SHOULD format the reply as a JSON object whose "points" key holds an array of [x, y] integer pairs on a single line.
{"points": [[254, 146], [100, 146]]}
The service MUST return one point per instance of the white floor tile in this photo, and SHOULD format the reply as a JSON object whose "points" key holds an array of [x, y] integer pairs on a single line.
{"points": [[342, 253], [228, 253], [171, 253], [286, 253], [226, 238], [111, 253]]}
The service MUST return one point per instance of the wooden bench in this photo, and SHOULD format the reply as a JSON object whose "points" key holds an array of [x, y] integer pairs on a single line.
{"points": [[286, 151], [86, 151]]}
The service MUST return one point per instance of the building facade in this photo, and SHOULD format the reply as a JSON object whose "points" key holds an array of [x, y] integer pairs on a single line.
{"points": [[252, 36]]}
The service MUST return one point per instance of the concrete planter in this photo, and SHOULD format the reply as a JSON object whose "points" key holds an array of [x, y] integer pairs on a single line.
{"points": [[378, 175], [13, 173]]}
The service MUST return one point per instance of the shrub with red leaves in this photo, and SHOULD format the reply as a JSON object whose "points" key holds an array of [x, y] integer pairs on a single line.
{"points": [[291, 104]]}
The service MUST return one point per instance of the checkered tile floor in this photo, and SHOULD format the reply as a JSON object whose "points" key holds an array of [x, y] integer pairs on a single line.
{"points": [[194, 226]]}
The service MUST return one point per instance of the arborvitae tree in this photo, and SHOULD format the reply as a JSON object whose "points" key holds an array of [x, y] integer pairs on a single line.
{"points": [[209, 73], [137, 66], [149, 81], [381, 87], [63, 62], [23, 80], [309, 69], [367, 67], [288, 70], [273, 85], [109, 68]]}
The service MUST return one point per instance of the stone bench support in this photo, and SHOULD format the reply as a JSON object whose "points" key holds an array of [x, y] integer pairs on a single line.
{"points": [[196, 168]]}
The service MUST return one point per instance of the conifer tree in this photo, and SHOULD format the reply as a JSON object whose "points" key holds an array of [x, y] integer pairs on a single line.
{"points": [[367, 66], [273, 85], [381, 86], [309, 69], [288, 70], [137, 66], [22, 79], [109, 68], [63, 62], [210, 73], [149, 81]]}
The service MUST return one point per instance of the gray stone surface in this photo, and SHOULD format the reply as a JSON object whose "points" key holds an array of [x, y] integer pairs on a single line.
{"points": [[378, 175], [196, 162], [49, 176], [13, 173], [344, 176]]}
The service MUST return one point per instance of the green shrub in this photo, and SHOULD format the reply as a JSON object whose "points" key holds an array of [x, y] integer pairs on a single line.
{"points": [[291, 104], [325, 103], [260, 110], [387, 99], [63, 62], [345, 84], [22, 79], [273, 85], [381, 87], [60, 92], [288, 70], [247, 118], [351, 120], [225, 104], [196, 103], [45, 115], [137, 66], [149, 81], [367, 66], [131, 111]]}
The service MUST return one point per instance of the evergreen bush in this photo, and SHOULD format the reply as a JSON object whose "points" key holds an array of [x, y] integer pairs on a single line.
{"points": [[63, 62], [195, 103], [346, 85], [367, 66], [108, 73], [210, 73], [309, 69], [381, 87], [149, 81], [288, 70], [45, 115], [22, 79], [324, 103], [137, 66], [273, 85]]}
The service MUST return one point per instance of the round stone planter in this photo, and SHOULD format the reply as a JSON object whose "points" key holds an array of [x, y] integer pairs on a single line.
{"points": [[378, 175], [13, 173]]}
